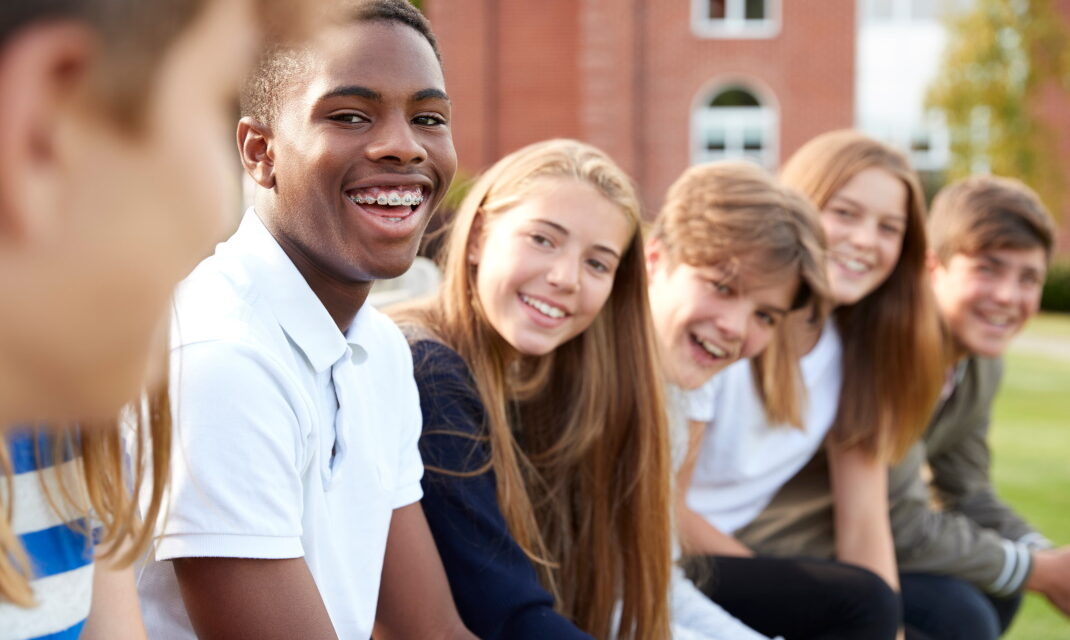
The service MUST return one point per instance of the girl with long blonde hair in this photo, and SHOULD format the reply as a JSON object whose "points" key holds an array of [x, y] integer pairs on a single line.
{"points": [[871, 372], [544, 436]]}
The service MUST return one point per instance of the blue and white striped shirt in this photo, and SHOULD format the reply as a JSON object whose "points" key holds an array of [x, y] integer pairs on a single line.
{"points": [[54, 536]]}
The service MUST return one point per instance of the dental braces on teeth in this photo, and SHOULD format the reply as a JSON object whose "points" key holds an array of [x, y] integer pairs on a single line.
{"points": [[393, 200]]}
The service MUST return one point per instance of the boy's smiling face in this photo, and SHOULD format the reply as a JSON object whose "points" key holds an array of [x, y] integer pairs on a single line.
{"points": [[987, 298], [118, 216], [360, 153]]}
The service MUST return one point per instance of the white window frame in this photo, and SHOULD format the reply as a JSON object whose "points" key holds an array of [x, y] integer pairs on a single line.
{"points": [[735, 24], [735, 120]]}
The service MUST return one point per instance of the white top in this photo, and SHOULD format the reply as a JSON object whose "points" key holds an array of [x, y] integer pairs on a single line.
{"points": [[694, 616], [291, 439], [743, 460]]}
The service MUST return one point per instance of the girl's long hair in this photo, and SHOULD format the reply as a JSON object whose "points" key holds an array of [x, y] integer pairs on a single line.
{"points": [[578, 437], [102, 487], [893, 355]]}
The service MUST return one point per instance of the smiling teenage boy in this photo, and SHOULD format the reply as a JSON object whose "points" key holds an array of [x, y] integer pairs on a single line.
{"points": [[297, 473], [963, 567]]}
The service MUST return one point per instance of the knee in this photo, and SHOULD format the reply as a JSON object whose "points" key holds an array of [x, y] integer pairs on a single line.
{"points": [[944, 607], [878, 602]]}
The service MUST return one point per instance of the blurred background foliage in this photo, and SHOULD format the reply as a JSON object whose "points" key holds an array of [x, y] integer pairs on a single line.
{"points": [[1002, 54]]}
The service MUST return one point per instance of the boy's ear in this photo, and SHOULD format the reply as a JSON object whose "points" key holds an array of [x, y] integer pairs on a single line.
{"points": [[44, 70], [932, 262], [653, 254], [256, 146]]}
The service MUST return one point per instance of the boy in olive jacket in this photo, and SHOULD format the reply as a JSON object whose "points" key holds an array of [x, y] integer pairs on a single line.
{"points": [[964, 555]]}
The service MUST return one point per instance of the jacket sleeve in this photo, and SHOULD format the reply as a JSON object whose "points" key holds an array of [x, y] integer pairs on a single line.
{"points": [[494, 584], [960, 470], [948, 542]]}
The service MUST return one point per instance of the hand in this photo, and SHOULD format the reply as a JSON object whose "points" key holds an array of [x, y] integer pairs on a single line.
{"points": [[1051, 576]]}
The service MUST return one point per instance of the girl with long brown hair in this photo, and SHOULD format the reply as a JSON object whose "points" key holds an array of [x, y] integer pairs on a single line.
{"points": [[544, 436], [871, 372]]}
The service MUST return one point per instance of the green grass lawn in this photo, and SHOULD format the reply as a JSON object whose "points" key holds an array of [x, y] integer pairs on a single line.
{"points": [[1031, 455]]}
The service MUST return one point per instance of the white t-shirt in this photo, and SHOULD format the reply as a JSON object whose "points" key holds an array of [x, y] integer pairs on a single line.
{"points": [[694, 616], [291, 439], [743, 460]]}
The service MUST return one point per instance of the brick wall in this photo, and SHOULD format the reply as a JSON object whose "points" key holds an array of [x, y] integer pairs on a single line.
{"points": [[625, 74]]}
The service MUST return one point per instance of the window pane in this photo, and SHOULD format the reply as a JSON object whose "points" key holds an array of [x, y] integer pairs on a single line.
{"points": [[920, 142], [735, 97], [715, 139], [883, 9], [752, 139], [717, 9], [755, 10]]}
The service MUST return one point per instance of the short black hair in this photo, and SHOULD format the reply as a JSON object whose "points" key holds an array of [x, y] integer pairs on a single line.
{"points": [[279, 64]]}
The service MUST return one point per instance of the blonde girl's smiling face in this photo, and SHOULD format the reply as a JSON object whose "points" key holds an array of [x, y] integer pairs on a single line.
{"points": [[545, 267], [864, 222]]}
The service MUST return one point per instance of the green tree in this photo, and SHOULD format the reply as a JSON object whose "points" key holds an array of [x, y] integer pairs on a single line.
{"points": [[1001, 54]]}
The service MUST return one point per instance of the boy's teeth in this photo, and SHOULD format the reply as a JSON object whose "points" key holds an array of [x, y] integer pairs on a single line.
{"points": [[999, 321], [394, 198], [543, 308]]}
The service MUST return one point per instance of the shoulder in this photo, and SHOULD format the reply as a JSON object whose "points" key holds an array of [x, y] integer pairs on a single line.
{"points": [[220, 301], [448, 397], [986, 375], [434, 361]]}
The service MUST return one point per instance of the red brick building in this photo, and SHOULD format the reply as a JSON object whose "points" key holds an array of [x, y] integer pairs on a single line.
{"points": [[1053, 109], [658, 84]]}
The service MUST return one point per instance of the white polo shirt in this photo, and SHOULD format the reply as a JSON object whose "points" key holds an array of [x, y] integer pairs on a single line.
{"points": [[291, 439], [743, 460]]}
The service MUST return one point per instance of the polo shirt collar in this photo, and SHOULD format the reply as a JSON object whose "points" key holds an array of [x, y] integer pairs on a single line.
{"points": [[297, 308]]}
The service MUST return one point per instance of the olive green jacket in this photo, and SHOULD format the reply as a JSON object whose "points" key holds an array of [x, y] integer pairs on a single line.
{"points": [[953, 524]]}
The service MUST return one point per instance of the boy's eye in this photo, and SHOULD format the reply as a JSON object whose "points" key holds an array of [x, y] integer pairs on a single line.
{"points": [[428, 120], [765, 318], [721, 288], [842, 212], [348, 118]]}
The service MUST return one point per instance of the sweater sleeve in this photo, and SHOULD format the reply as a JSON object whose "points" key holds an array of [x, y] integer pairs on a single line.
{"points": [[493, 582], [948, 542], [960, 470]]}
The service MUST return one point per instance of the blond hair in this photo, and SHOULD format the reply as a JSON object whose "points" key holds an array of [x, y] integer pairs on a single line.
{"points": [[732, 214], [586, 496], [102, 488], [893, 355]]}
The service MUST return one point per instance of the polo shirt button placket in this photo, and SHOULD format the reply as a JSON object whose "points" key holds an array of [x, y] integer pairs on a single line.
{"points": [[343, 379]]}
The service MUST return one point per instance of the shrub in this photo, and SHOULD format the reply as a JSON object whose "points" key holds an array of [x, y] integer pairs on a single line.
{"points": [[1057, 288]]}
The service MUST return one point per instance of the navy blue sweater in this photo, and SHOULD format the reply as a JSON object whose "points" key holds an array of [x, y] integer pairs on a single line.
{"points": [[495, 586]]}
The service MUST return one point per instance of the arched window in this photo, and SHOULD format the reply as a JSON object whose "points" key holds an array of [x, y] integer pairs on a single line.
{"points": [[733, 123]]}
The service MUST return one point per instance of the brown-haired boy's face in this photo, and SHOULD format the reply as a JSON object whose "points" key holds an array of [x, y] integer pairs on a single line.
{"points": [[361, 152], [987, 298], [121, 219], [706, 318]]}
